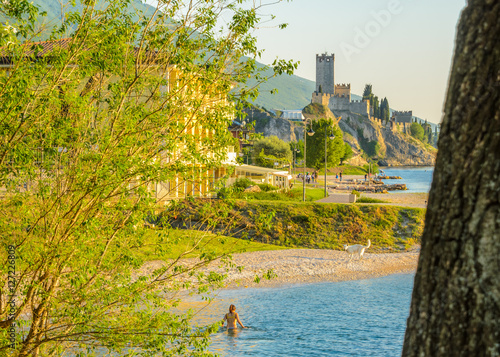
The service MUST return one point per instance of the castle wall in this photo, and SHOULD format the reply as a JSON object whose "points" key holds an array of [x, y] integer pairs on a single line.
{"points": [[325, 73], [343, 90], [360, 107], [403, 117], [339, 103], [321, 98]]}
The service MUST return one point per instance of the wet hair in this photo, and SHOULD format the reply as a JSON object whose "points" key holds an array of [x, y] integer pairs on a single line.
{"points": [[232, 308]]}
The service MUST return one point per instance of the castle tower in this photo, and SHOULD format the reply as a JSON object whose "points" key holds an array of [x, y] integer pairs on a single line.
{"points": [[325, 73]]}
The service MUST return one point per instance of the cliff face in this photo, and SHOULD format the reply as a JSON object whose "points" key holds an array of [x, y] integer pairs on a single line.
{"points": [[392, 148]]}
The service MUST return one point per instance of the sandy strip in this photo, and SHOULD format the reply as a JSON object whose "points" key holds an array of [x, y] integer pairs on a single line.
{"points": [[297, 266]]}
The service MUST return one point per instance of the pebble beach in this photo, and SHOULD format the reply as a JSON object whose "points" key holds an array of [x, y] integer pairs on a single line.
{"points": [[298, 266]]}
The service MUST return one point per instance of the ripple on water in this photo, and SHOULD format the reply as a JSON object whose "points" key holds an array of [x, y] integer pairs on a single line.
{"points": [[352, 318]]}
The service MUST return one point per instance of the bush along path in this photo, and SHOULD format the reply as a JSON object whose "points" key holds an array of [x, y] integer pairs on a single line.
{"points": [[308, 225]]}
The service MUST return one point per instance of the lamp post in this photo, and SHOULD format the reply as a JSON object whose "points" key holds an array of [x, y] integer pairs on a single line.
{"points": [[309, 132], [295, 152], [331, 138]]}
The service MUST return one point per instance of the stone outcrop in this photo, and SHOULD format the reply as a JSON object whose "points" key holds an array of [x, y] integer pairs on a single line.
{"points": [[393, 148]]}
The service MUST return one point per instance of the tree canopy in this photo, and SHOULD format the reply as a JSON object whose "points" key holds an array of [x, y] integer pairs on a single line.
{"points": [[90, 123], [417, 131], [270, 150], [316, 144]]}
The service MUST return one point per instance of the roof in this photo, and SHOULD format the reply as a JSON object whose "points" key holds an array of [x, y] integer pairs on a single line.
{"points": [[46, 47], [262, 170]]}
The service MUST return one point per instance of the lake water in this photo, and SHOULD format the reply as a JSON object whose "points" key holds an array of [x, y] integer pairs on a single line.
{"points": [[417, 179], [352, 318]]}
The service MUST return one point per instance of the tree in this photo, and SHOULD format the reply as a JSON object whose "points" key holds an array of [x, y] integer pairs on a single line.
{"points": [[376, 107], [88, 127], [267, 151], [455, 304], [348, 153], [385, 112], [417, 131], [316, 144], [367, 92]]}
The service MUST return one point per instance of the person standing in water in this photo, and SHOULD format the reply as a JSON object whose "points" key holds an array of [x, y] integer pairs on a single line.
{"points": [[231, 318]]}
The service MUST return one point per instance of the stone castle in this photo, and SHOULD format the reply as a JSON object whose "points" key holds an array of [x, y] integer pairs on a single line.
{"points": [[337, 97]]}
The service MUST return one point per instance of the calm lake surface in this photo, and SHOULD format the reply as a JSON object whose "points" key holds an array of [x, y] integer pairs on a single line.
{"points": [[352, 318], [417, 179]]}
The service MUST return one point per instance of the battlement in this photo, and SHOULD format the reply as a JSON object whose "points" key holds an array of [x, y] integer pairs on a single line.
{"points": [[321, 98], [325, 57], [402, 116], [406, 112], [325, 73], [343, 86]]}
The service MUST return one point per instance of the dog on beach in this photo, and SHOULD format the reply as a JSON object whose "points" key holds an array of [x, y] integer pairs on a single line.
{"points": [[356, 249]]}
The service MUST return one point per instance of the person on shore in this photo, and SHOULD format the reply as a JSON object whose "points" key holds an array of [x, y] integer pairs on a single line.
{"points": [[231, 318], [366, 177], [340, 176]]}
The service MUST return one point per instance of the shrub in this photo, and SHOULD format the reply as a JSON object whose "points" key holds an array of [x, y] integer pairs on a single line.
{"points": [[369, 200], [357, 193], [241, 184], [266, 187]]}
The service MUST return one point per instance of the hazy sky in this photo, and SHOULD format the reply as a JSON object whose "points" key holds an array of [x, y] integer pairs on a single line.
{"points": [[402, 47]]}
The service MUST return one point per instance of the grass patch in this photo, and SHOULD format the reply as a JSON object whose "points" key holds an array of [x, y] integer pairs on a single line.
{"points": [[369, 200], [294, 195], [304, 224], [169, 243]]}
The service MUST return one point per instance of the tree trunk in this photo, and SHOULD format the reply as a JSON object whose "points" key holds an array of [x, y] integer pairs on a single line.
{"points": [[455, 308]]}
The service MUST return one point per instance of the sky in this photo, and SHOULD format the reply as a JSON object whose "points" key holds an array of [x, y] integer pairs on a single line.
{"points": [[403, 48]]}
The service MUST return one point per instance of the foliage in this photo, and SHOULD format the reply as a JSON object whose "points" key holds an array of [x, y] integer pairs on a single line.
{"points": [[266, 187], [297, 146], [385, 112], [242, 183], [267, 151], [369, 200], [87, 130], [312, 194], [348, 153], [315, 109], [417, 131], [315, 225], [373, 148], [357, 193], [380, 110], [315, 153]]}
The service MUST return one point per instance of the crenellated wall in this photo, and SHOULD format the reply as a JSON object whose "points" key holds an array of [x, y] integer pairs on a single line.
{"points": [[343, 90], [402, 116], [325, 73]]}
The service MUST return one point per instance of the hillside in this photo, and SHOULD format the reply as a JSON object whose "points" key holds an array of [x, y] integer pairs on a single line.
{"points": [[367, 138]]}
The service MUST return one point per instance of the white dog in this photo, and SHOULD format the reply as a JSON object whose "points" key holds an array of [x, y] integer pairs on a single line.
{"points": [[356, 249]]}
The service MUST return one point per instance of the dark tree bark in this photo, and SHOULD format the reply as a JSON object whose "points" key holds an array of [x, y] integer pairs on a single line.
{"points": [[455, 308]]}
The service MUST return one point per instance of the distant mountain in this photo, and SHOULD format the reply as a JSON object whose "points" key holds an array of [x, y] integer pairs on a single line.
{"points": [[54, 9], [295, 92]]}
